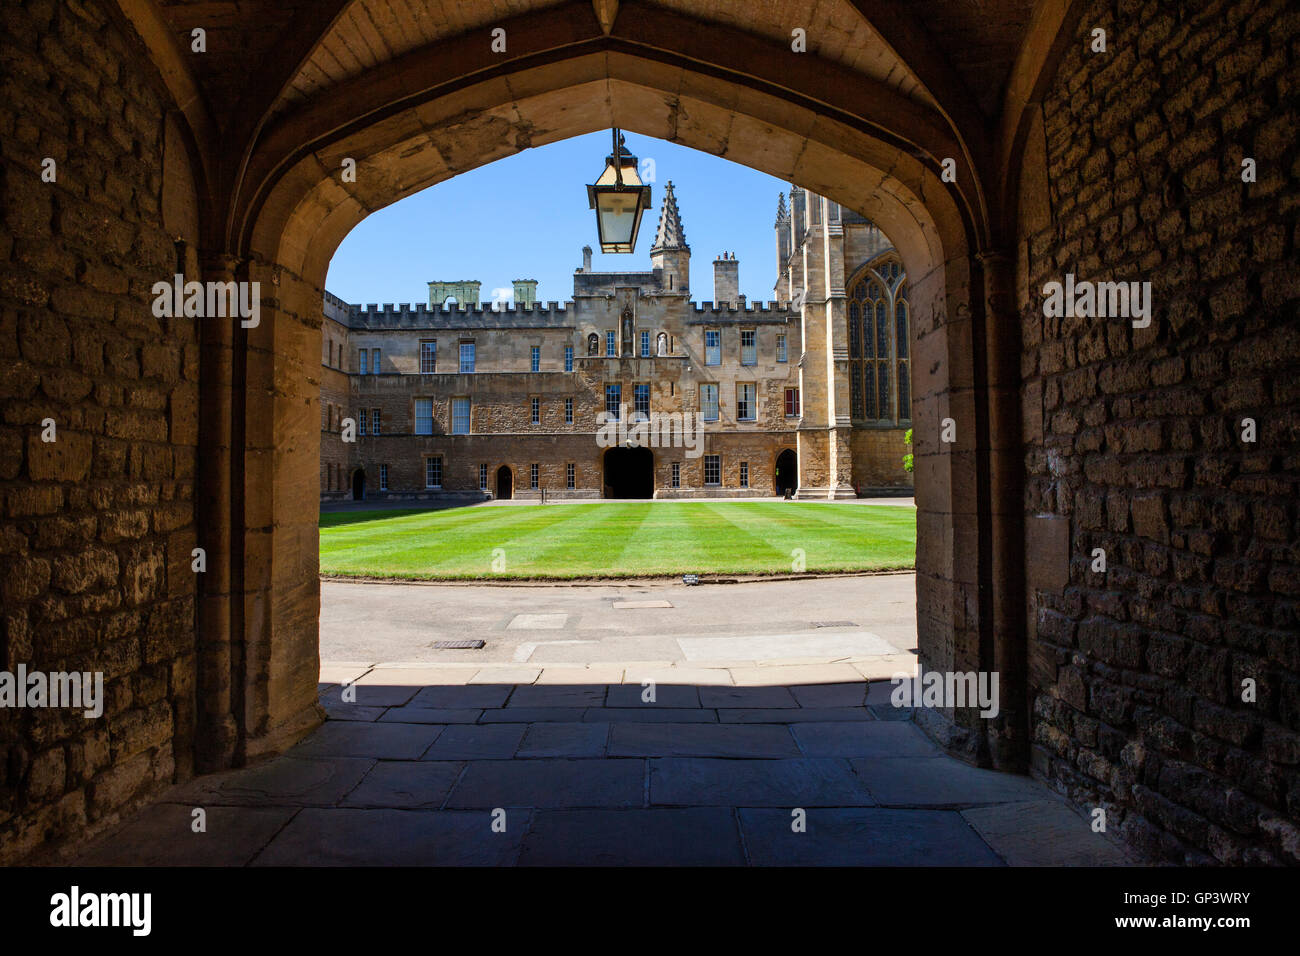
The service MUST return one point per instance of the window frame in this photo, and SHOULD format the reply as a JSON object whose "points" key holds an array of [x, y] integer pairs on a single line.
{"points": [[717, 470], [416, 415], [713, 353], [749, 351], [469, 412], [716, 404], [750, 403]]}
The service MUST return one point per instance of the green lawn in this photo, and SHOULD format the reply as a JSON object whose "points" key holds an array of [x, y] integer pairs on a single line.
{"points": [[613, 539]]}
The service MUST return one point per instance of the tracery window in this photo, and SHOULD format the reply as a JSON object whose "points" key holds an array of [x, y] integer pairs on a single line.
{"points": [[879, 321]]}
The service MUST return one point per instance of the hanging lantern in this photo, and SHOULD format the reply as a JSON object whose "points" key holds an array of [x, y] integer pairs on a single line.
{"points": [[619, 198]]}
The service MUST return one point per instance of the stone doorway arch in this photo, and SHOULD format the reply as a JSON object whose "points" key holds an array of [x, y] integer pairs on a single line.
{"points": [[785, 476], [505, 483], [293, 212], [359, 485]]}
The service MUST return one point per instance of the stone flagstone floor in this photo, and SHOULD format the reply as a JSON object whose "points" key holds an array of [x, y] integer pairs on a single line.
{"points": [[573, 767]]}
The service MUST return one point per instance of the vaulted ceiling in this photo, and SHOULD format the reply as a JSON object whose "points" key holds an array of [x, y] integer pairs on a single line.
{"points": [[930, 76], [273, 55]]}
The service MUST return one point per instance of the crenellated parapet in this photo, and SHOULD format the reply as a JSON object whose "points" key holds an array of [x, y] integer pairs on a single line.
{"points": [[458, 315], [747, 307]]}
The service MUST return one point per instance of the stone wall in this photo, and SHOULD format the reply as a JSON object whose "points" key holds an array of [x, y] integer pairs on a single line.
{"points": [[1134, 436], [878, 459], [98, 525]]}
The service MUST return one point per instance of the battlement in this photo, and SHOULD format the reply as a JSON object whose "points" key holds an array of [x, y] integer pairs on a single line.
{"points": [[460, 315], [746, 307]]}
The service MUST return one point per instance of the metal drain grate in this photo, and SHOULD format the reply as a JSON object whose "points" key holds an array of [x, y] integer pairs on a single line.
{"points": [[834, 624], [458, 645]]}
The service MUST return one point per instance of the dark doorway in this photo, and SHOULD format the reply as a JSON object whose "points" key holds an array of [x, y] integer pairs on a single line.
{"points": [[359, 485], [629, 473], [787, 473], [505, 484]]}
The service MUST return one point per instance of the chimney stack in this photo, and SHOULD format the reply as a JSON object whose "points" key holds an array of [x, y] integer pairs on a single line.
{"points": [[726, 280], [586, 258]]}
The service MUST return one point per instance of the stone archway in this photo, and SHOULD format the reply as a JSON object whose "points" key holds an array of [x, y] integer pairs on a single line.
{"points": [[785, 473], [306, 213], [359, 485], [505, 483]]}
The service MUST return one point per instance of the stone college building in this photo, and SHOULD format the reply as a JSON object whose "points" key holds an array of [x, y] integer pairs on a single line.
{"points": [[631, 389]]}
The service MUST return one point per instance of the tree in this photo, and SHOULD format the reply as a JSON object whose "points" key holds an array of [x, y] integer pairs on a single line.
{"points": [[908, 463]]}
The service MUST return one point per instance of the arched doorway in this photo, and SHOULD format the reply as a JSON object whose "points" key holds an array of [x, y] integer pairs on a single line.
{"points": [[285, 223], [786, 477], [359, 485], [505, 483], [629, 473]]}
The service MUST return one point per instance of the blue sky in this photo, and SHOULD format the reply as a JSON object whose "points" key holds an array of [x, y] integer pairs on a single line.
{"points": [[526, 217]]}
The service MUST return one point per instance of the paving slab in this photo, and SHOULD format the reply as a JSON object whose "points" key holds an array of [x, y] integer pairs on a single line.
{"points": [[384, 741], [505, 674], [796, 782], [564, 740], [846, 836], [417, 675], [356, 837], [788, 675], [650, 715], [876, 738], [537, 622], [465, 696], [658, 837], [530, 715], [701, 740], [284, 780], [406, 784], [743, 715], [682, 675], [665, 695], [591, 674], [342, 672], [848, 694], [889, 712], [884, 667], [750, 697], [411, 714], [369, 695], [163, 835], [558, 695], [476, 742], [940, 782], [565, 784], [1043, 833], [337, 709]]}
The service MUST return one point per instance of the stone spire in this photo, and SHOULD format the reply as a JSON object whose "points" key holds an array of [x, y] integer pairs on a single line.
{"points": [[781, 214], [670, 235]]}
